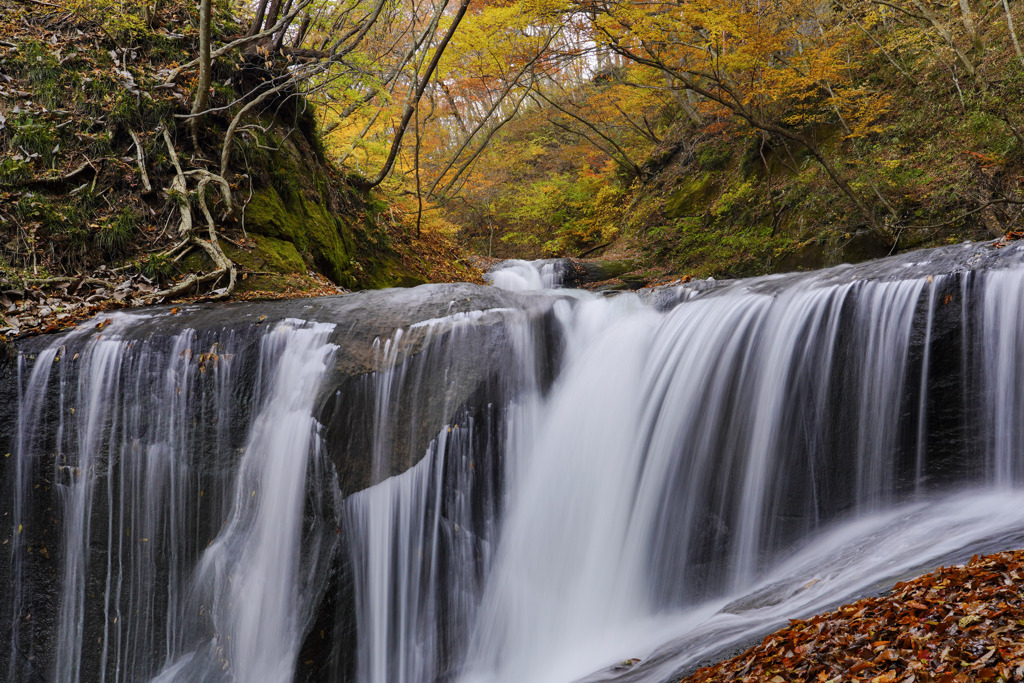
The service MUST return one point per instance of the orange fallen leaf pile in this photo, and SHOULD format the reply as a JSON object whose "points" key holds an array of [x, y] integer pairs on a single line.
{"points": [[956, 625]]}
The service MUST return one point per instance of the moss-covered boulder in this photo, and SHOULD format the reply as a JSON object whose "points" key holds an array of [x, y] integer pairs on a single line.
{"points": [[294, 219], [302, 220]]}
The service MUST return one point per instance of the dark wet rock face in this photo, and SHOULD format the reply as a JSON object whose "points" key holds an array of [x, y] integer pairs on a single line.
{"points": [[8, 395], [407, 364], [451, 345]]}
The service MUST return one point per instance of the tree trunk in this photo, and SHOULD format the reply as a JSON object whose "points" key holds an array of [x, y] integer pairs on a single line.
{"points": [[1013, 32], [279, 39], [941, 29], [303, 28], [257, 21], [205, 68], [396, 143], [275, 9], [968, 18], [150, 11]]}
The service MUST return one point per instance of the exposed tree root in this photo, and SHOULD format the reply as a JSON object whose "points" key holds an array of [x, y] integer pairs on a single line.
{"points": [[141, 160], [83, 172], [179, 194]]}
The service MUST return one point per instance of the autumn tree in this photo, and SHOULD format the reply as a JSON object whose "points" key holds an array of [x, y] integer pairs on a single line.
{"points": [[781, 68], [969, 43]]}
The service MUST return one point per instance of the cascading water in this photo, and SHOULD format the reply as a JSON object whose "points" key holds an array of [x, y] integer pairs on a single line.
{"points": [[254, 585], [421, 538], [535, 486], [525, 276], [749, 456], [123, 449]]}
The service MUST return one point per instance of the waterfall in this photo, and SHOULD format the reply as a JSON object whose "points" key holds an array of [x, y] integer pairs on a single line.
{"points": [[254, 585], [472, 485], [1002, 334], [421, 539], [700, 475], [122, 449]]}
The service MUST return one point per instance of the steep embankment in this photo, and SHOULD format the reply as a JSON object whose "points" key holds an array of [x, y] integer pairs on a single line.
{"points": [[100, 166], [721, 200], [735, 203], [937, 165]]}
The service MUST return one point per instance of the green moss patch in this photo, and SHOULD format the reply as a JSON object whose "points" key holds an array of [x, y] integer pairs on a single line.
{"points": [[692, 197], [316, 237]]}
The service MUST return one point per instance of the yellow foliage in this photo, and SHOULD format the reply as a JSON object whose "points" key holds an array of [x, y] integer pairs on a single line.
{"points": [[788, 60]]}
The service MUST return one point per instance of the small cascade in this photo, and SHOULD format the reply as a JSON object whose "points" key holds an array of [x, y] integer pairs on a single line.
{"points": [[421, 540], [1001, 335], [524, 276], [254, 586], [397, 527]]}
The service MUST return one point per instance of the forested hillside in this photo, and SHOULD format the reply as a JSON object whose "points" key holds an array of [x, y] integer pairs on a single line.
{"points": [[734, 138], [172, 149]]}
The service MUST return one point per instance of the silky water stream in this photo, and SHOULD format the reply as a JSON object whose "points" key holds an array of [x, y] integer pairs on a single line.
{"points": [[629, 486]]}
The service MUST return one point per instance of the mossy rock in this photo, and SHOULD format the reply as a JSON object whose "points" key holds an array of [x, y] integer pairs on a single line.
{"points": [[692, 198], [635, 280], [380, 272], [409, 280], [268, 254], [196, 262], [715, 157], [295, 229], [807, 255], [271, 259], [293, 208], [604, 270], [318, 238], [831, 250], [300, 221]]}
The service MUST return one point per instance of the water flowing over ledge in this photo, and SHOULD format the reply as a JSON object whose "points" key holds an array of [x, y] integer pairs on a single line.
{"points": [[463, 483]]}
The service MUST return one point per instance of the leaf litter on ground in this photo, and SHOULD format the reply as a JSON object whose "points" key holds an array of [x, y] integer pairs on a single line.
{"points": [[957, 624]]}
